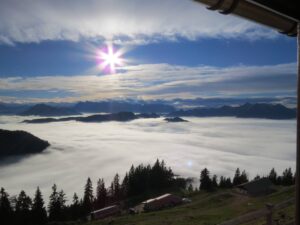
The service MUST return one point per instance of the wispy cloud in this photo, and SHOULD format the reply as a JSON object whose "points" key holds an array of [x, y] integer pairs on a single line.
{"points": [[132, 21], [154, 81]]}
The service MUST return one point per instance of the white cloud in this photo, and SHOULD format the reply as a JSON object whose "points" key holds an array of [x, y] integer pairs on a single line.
{"points": [[154, 81], [133, 21]]}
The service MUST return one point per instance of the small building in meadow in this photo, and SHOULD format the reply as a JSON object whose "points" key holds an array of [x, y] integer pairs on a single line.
{"points": [[160, 202], [256, 187], [105, 212]]}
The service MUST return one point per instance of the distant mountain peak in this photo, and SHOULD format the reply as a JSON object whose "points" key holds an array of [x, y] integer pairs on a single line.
{"points": [[47, 110], [247, 110]]}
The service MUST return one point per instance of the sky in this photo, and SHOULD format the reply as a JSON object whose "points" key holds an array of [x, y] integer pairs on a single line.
{"points": [[49, 52]]}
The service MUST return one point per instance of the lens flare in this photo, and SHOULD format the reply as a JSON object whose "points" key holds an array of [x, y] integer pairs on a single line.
{"points": [[110, 59]]}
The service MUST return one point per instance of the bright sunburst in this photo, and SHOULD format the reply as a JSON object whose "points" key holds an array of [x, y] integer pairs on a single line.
{"points": [[110, 58]]}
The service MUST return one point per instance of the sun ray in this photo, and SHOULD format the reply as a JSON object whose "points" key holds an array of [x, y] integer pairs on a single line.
{"points": [[110, 58]]}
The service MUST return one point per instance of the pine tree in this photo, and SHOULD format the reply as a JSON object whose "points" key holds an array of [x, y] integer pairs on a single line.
{"points": [[222, 182], [273, 176], [125, 186], [287, 177], [62, 205], [237, 177], [5, 207], [101, 194], [23, 207], [56, 204], [205, 181], [88, 197], [244, 177], [39, 214], [257, 177], [228, 183], [75, 208], [214, 182], [116, 188]]}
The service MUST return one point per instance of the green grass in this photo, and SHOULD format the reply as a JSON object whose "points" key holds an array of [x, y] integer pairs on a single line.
{"points": [[206, 209]]}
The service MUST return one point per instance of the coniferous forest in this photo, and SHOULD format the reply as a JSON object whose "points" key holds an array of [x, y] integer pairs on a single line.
{"points": [[143, 181]]}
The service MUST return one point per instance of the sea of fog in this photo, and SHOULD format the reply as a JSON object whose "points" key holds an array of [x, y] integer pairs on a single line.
{"points": [[100, 150]]}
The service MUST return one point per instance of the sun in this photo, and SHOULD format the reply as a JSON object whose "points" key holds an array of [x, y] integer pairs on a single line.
{"points": [[110, 58]]}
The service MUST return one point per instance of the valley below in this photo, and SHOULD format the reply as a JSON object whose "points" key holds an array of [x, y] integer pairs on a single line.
{"points": [[99, 150]]}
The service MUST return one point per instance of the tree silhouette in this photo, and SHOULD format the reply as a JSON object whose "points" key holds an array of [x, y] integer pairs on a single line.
{"points": [[287, 177], [23, 207], [116, 188], [205, 181], [101, 194], [5, 207], [39, 214], [214, 182], [244, 177], [88, 197], [273, 176], [56, 205], [75, 208], [240, 178], [237, 177]]}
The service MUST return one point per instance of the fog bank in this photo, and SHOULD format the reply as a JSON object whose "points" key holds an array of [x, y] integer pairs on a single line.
{"points": [[99, 150]]}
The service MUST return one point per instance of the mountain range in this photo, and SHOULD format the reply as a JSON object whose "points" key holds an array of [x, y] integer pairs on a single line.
{"points": [[137, 106], [121, 117], [177, 107], [46, 110], [259, 110]]}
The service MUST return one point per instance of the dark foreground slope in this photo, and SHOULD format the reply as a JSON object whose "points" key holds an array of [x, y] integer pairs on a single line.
{"points": [[266, 111], [20, 143]]}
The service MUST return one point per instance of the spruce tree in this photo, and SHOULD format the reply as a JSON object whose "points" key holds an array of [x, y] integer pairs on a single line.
{"points": [[237, 177], [244, 177], [214, 182], [287, 177], [125, 186], [55, 206], [62, 205], [23, 209], [88, 197], [5, 207], [101, 194], [75, 208], [116, 188], [273, 176], [205, 181], [39, 214], [228, 183], [222, 182]]}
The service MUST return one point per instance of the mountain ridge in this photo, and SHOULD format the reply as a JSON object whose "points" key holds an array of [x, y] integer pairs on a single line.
{"points": [[20, 143], [248, 110]]}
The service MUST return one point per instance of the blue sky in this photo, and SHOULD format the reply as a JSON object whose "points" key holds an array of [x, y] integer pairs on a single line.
{"points": [[174, 49]]}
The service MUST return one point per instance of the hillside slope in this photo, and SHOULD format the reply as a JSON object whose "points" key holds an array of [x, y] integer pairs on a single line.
{"points": [[206, 208]]}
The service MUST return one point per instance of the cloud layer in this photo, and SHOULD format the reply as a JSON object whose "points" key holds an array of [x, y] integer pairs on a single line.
{"points": [[155, 81], [133, 21], [79, 150]]}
